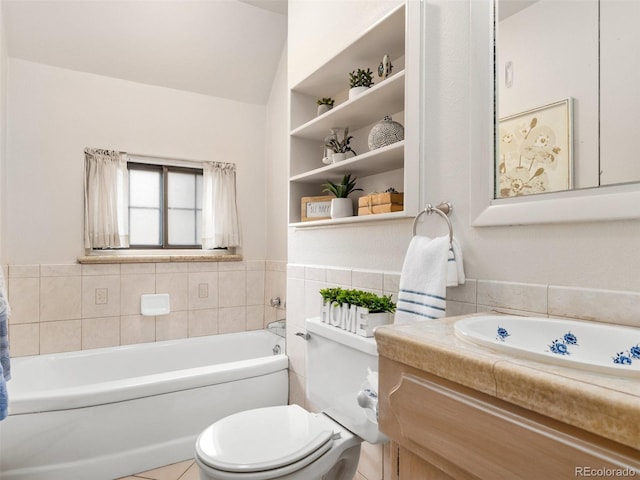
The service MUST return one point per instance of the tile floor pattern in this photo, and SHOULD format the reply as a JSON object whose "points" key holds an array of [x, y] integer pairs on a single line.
{"points": [[187, 470]]}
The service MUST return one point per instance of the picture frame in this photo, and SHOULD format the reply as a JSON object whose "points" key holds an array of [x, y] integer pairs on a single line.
{"points": [[315, 208], [535, 151]]}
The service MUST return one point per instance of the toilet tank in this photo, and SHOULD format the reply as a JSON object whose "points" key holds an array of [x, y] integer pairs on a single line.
{"points": [[338, 363]]}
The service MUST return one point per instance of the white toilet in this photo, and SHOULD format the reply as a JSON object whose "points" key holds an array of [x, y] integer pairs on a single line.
{"points": [[289, 443]]}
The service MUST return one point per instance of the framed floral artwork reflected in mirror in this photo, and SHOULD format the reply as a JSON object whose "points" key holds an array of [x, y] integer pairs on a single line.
{"points": [[535, 151]]}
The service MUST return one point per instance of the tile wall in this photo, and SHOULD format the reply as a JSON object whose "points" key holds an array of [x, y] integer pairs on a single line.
{"points": [[304, 282], [59, 308]]}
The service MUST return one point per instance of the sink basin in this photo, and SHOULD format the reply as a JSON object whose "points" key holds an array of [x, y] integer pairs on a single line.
{"points": [[597, 347]]}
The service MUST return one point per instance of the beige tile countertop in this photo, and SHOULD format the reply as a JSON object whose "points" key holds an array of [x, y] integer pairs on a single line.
{"points": [[605, 405]]}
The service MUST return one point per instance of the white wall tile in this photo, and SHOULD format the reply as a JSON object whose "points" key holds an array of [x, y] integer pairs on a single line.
{"points": [[132, 287], [339, 276], [172, 326], [137, 329], [203, 322], [177, 286], [519, 296], [232, 319], [255, 287], [255, 317], [23, 271], [367, 280], [60, 336], [592, 304], [203, 290], [232, 288], [24, 299], [100, 332], [24, 339], [93, 293], [67, 270], [60, 298]]}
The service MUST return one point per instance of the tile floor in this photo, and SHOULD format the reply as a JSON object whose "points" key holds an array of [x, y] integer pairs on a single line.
{"points": [[187, 470]]}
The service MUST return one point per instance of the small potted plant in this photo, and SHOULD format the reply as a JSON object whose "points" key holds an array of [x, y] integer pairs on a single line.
{"points": [[340, 148], [360, 81], [325, 104], [341, 206], [356, 311]]}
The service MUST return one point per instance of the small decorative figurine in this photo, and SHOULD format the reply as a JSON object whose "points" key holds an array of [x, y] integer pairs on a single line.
{"points": [[385, 67]]}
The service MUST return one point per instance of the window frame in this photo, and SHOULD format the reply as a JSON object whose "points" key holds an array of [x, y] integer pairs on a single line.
{"points": [[164, 171]]}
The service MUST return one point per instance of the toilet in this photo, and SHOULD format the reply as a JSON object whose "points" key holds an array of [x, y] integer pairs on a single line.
{"points": [[288, 442]]}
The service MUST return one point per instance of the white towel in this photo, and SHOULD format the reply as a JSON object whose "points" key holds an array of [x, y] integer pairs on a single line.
{"points": [[5, 365], [423, 282], [455, 275]]}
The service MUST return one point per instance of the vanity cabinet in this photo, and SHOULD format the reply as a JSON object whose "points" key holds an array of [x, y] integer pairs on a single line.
{"points": [[398, 36], [443, 430]]}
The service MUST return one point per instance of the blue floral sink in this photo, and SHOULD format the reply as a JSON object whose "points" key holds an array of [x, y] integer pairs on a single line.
{"points": [[597, 347]]}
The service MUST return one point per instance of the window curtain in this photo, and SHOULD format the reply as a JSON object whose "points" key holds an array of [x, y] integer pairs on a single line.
{"points": [[106, 202], [219, 210]]}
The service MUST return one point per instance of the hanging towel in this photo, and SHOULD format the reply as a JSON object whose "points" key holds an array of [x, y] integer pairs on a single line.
{"points": [[5, 366], [455, 274], [423, 282]]}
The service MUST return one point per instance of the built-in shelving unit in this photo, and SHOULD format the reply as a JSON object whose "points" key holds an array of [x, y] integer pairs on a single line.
{"points": [[396, 165]]}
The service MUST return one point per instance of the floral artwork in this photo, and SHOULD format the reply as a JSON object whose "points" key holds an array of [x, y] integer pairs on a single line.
{"points": [[534, 151]]}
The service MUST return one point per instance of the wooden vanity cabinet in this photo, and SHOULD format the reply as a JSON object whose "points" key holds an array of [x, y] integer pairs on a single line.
{"points": [[442, 430]]}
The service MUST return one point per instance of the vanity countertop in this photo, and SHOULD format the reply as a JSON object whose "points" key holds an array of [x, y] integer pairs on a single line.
{"points": [[605, 405]]}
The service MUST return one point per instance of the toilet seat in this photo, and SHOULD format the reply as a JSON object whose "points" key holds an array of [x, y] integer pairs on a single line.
{"points": [[258, 444]]}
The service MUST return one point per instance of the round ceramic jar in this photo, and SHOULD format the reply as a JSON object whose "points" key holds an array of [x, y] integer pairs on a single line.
{"points": [[384, 133]]}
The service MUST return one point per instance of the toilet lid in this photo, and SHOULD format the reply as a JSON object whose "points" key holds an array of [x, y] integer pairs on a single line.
{"points": [[263, 439]]}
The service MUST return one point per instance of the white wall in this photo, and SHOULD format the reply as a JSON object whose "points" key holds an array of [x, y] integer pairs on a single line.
{"points": [[277, 165], [55, 113]]}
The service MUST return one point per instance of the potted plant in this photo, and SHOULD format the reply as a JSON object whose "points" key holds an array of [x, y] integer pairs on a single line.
{"points": [[356, 311], [339, 148], [360, 81], [325, 104], [341, 206]]}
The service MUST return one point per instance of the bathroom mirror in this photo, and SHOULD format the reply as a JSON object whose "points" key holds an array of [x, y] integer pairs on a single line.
{"points": [[553, 115]]}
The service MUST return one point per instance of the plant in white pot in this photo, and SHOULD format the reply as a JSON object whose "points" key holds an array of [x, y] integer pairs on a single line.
{"points": [[356, 311], [341, 206], [340, 148], [325, 104], [360, 81]]}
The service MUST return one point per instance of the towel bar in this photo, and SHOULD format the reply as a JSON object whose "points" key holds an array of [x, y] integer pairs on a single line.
{"points": [[443, 209]]}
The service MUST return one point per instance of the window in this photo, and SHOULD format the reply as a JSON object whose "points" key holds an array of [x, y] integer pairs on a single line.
{"points": [[165, 206]]}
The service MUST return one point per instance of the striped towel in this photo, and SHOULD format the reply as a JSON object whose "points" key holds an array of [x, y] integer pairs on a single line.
{"points": [[423, 282], [5, 365]]}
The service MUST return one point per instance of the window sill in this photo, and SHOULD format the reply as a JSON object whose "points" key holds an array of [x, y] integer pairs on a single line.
{"points": [[157, 257]]}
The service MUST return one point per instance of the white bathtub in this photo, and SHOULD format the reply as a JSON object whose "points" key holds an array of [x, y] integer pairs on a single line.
{"points": [[105, 413]]}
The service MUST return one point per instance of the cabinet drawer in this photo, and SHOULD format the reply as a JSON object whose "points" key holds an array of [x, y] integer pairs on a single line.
{"points": [[488, 438]]}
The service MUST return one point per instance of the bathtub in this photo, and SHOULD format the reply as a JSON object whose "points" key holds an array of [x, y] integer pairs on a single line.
{"points": [[110, 412]]}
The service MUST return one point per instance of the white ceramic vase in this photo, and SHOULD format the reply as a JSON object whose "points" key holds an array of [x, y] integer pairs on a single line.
{"points": [[341, 207], [355, 91], [338, 157]]}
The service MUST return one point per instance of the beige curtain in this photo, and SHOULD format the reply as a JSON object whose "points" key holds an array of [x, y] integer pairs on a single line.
{"points": [[219, 210], [106, 203]]}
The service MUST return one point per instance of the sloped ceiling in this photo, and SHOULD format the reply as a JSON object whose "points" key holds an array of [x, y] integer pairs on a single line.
{"points": [[222, 48]]}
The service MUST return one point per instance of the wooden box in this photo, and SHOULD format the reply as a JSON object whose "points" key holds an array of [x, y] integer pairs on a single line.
{"points": [[315, 208], [380, 203]]}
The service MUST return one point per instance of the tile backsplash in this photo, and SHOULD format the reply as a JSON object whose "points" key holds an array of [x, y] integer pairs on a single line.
{"points": [[58, 308]]}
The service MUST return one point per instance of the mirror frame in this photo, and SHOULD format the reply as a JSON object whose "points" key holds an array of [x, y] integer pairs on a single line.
{"points": [[615, 202]]}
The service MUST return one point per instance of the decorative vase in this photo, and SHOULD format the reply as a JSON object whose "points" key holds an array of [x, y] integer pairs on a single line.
{"points": [[341, 207], [324, 108], [355, 91], [384, 133], [338, 157]]}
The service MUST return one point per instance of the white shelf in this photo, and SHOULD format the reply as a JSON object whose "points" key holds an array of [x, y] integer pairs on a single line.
{"points": [[384, 37], [376, 161], [348, 220], [397, 34], [385, 98]]}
